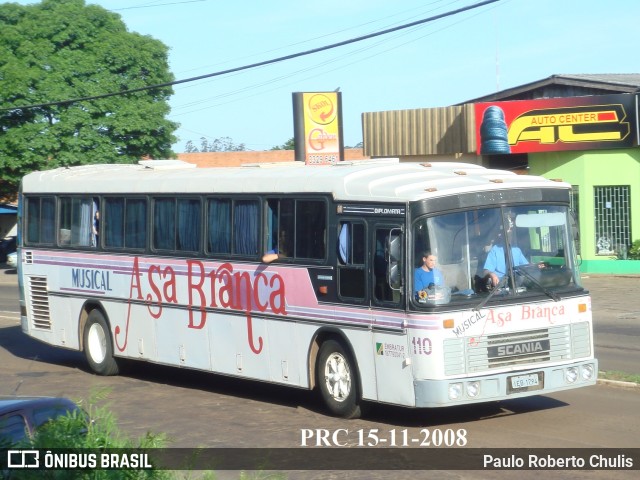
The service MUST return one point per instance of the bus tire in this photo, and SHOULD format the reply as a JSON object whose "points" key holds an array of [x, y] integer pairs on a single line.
{"points": [[338, 380], [98, 347]]}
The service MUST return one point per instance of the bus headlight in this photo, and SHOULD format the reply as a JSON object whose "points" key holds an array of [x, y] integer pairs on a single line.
{"points": [[571, 374], [587, 371], [473, 389], [455, 391]]}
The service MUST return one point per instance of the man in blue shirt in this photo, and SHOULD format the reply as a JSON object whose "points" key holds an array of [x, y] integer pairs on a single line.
{"points": [[427, 275], [495, 266]]}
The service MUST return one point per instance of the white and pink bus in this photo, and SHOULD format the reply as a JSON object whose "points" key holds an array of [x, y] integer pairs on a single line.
{"points": [[164, 262]]}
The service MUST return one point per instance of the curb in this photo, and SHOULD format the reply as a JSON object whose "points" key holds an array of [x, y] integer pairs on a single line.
{"points": [[618, 383]]}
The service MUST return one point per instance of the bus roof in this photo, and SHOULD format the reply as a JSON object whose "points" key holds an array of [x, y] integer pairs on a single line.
{"points": [[385, 180]]}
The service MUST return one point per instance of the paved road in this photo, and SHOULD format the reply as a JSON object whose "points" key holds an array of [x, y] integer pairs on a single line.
{"points": [[616, 321]]}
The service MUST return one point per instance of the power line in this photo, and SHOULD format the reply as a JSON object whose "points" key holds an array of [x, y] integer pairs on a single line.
{"points": [[288, 75], [259, 64], [157, 5], [200, 102], [405, 32], [323, 36]]}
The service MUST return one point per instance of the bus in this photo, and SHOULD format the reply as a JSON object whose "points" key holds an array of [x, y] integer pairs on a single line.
{"points": [[164, 262]]}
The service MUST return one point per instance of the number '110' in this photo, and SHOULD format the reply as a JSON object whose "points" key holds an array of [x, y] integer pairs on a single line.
{"points": [[421, 346]]}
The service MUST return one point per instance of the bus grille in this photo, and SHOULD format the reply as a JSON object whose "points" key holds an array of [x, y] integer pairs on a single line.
{"points": [[554, 344], [39, 303]]}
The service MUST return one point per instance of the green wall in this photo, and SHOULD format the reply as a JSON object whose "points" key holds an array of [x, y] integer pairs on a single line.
{"points": [[586, 170]]}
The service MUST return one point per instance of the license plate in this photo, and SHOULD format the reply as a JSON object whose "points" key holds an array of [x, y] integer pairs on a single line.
{"points": [[523, 383]]}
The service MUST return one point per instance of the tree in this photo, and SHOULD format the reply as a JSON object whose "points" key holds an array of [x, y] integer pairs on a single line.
{"points": [[291, 145], [222, 144], [62, 50], [190, 147], [288, 145]]}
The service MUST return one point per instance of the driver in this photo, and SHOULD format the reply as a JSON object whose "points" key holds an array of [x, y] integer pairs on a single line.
{"points": [[495, 266], [427, 275]]}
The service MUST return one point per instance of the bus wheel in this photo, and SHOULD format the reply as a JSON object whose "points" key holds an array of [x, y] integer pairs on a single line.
{"points": [[97, 345], [337, 379]]}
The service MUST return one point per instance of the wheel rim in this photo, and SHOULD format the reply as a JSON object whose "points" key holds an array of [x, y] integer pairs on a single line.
{"points": [[337, 377], [97, 343]]}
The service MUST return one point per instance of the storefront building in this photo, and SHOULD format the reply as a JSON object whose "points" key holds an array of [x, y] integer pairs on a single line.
{"points": [[582, 129]]}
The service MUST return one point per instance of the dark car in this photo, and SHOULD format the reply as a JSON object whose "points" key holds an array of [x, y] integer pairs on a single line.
{"points": [[7, 246], [20, 417]]}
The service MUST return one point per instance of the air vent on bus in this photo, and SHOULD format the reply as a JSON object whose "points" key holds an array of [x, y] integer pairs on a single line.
{"points": [[39, 302], [28, 258], [528, 347], [531, 347], [522, 348]]}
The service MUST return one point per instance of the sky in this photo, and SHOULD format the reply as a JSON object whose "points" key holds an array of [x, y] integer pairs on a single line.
{"points": [[443, 62]]}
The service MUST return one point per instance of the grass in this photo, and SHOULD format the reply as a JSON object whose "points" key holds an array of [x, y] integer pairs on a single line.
{"points": [[620, 376], [96, 429]]}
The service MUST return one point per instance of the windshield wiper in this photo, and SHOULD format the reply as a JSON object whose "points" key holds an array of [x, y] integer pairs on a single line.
{"points": [[497, 288], [530, 277]]}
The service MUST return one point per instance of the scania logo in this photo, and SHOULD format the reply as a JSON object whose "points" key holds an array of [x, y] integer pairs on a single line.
{"points": [[519, 349]]}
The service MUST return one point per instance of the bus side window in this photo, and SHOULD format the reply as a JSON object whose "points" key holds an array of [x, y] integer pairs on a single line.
{"points": [[176, 224], [295, 228], [280, 227], [351, 260], [164, 223], [311, 227], [95, 223], [246, 224], [135, 223], [188, 223], [124, 222], [232, 227], [382, 291], [76, 221], [218, 226], [40, 220]]}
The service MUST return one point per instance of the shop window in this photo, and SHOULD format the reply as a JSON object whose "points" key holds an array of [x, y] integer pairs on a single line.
{"points": [[612, 214]]}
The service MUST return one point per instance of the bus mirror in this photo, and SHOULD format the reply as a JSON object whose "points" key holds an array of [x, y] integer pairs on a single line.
{"points": [[394, 247], [575, 231], [394, 276], [394, 254]]}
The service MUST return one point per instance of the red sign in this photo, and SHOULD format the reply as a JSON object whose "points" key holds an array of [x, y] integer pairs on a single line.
{"points": [[555, 124]]}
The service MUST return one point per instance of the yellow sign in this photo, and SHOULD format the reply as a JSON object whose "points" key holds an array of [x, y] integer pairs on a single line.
{"points": [[321, 128]]}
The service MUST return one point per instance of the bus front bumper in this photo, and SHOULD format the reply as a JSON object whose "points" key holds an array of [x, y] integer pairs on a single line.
{"points": [[504, 386]]}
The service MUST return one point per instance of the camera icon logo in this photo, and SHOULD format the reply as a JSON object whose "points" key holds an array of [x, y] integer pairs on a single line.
{"points": [[23, 459]]}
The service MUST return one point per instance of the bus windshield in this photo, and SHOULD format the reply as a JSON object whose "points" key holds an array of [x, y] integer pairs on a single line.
{"points": [[502, 251]]}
